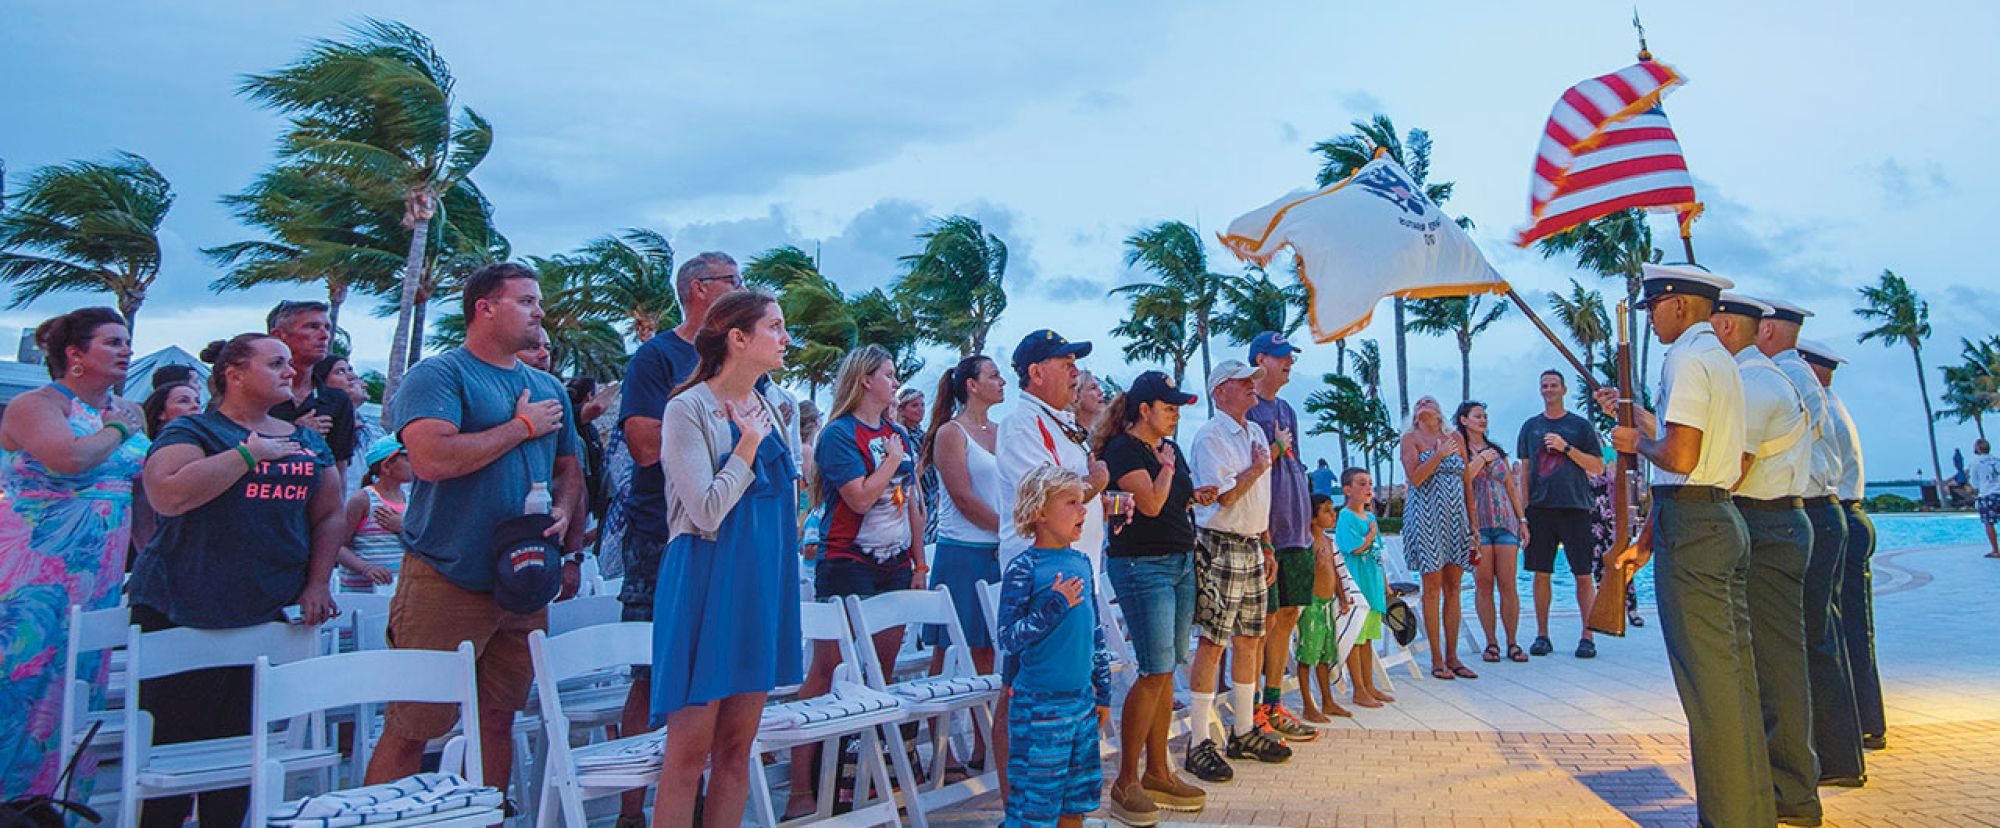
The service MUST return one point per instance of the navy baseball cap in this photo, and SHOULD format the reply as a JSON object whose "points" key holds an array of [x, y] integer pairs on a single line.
{"points": [[1271, 343], [1046, 344], [1156, 386], [527, 567]]}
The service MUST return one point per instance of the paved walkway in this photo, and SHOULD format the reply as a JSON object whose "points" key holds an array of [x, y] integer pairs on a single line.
{"points": [[1560, 741]]}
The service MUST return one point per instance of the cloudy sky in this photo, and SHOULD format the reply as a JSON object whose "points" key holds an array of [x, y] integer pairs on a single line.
{"points": [[1830, 141]]}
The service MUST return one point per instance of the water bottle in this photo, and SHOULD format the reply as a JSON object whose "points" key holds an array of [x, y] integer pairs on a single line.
{"points": [[538, 500]]}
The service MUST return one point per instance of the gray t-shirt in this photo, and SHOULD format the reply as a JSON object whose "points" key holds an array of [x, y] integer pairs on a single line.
{"points": [[1555, 481], [450, 523]]}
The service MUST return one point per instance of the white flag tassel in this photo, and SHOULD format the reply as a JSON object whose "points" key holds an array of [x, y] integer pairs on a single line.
{"points": [[1370, 236]]}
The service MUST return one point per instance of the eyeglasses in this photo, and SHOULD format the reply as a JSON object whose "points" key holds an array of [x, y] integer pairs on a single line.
{"points": [[734, 280]]}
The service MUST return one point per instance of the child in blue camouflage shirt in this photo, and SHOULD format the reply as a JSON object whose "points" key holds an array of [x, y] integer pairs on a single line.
{"points": [[1057, 667]]}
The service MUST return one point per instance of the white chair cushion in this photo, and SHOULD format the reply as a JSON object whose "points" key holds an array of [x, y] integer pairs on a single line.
{"points": [[414, 796], [844, 700], [940, 688], [637, 753]]}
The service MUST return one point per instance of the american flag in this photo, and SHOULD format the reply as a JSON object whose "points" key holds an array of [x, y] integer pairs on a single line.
{"points": [[1608, 147]]}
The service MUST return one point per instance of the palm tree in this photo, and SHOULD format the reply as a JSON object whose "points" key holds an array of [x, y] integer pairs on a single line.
{"points": [[1617, 246], [377, 110], [576, 314], [86, 226], [1901, 316], [636, 267], [955, 286], [1344, 156], [1972, 387], [821, 323], [881, 320], [1581, 312], [1256, 304], [316, 230], [1173, 316], [1458, 317]]}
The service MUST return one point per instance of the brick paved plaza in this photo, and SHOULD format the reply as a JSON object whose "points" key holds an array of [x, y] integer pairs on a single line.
{"points": [[1564, 742]]}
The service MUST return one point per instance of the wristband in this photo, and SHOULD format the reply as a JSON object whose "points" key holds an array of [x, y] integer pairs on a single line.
{"points": [[249, 460], [920, 568], [124, 431], [526, 422]]}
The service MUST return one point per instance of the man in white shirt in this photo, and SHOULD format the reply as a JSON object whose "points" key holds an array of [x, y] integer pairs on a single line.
{"points": [[1857, 579], [1985, 477], [1777, 461], [1836, 729], [1702, 585], [1232, 573]]}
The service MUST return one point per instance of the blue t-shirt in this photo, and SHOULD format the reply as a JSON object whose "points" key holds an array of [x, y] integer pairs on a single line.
{"points": [[240, 558], [657, 368], [1351, 534], [450, 523], [1291, 501], [849, 450], [1322, 480], [1052, 647]]}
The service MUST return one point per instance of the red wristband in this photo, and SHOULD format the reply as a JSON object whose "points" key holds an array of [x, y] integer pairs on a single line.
{"points": [[526, 422]]}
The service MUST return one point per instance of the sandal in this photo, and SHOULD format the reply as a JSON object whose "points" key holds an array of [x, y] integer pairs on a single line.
{"points": [[1492, 654], [1442, 673], [1515, 653], [1463, 671]]}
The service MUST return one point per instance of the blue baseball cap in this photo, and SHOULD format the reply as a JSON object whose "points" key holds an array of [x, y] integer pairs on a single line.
{"points": [[1043, 345], [382, 449], [527, 567], [1271, 343]]}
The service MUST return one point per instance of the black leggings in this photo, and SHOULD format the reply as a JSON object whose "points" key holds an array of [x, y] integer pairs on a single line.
{"points": [[190, 707]]}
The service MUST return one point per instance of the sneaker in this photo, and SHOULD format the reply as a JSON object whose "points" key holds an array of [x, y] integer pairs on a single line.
{"points": [[1875, 742], [1206, 763], [1280, 720], [1131, 806], [1542, 646], [1586, 648], [1260, 745], [1174, 794]]}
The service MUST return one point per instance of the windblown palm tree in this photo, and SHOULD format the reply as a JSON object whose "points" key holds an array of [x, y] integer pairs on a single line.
{"points": [[1171, 318], [955, 287], [635, 267], [1582, 313], [881, 320], [1617, 246], [1343, 156], [1459, 318], [86, 226], [316, 230], [820, 321], [1972, 387], [1255, 304], [1902, 317], [377, 110], [576, 314]]}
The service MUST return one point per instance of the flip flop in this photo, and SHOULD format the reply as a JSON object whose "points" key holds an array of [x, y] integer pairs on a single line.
{"points": [[1442, 673], [1492, 654], [1515, 653], [1464, 672]]}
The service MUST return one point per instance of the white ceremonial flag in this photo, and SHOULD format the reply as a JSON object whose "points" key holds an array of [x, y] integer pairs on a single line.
{"points": [[1370, 236]]}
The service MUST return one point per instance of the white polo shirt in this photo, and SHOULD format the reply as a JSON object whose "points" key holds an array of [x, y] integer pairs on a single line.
{"points": [[1220, 454], [1034, 434], [1774, 429], [1700, 387], [1849, 484], [1820, 477]]}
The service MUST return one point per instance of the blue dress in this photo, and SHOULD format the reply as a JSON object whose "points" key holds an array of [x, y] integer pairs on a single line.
{"points": [[726, 612]]}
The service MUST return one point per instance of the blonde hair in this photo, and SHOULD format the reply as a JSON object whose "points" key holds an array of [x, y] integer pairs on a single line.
{"points": [[857, 366], [1037, 488]]}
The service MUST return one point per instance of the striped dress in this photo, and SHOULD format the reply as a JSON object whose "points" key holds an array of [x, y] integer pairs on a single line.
{"points": [[1436, 530]]}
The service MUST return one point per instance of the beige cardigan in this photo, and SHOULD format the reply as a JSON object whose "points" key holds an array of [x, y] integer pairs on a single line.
{"points": [[704, 476]]}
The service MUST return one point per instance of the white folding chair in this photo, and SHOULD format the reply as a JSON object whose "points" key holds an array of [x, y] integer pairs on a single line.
{"points": [[584, 611], [989, 607], [93, 631], [851, 708], [149, 771], [933, 701], [572, 775], [309, 688]]}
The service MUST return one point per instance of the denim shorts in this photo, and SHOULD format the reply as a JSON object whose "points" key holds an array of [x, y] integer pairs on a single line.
{"points": [[1156, 596], [1498, 537]]}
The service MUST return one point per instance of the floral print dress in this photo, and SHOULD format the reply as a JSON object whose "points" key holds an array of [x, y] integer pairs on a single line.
{"points": [[63, 539]]}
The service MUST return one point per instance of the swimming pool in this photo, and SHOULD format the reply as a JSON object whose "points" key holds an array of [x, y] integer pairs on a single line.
{"points": [[1898, 531]]}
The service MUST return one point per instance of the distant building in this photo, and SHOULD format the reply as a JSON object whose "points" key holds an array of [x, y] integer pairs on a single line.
{"points": [[30, 352]]}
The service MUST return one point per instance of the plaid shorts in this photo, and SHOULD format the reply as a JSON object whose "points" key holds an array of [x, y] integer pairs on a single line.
{"points": [[1054, 768], [1229, 586], [1989, 509]]}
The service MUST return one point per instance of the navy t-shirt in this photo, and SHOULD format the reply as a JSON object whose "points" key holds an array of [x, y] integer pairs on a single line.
{"points": [[849, 450], [450, 523], [656, 369], [239, 559], [1171, 532]]}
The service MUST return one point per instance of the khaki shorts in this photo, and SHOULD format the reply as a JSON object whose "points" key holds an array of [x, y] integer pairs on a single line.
{"points": [[431, 613]]}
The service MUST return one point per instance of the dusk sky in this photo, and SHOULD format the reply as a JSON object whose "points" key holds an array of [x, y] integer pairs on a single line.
{"points": [[1829, 141]]}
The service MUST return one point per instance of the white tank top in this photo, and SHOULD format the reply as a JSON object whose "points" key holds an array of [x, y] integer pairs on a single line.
{"points": [[985, 473]]}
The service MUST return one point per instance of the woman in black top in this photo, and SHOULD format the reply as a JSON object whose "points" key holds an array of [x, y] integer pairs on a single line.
{"points": [[1150, 563], [249, 521]]}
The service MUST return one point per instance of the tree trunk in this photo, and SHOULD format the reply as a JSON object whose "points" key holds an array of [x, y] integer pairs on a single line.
{"points": [[417, 322], [1201, 332], [336, 295], [413, 275], [1979, 422], [1340, 367], [1464, 368], [1402, 366], [128, 307], [1930, 422]]}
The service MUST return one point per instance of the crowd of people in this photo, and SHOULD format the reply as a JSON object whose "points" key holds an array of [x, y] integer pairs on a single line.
{"points": [[724, 500]]}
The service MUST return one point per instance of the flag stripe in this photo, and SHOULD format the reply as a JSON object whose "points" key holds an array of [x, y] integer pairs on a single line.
{"points": [[1607, 146]]}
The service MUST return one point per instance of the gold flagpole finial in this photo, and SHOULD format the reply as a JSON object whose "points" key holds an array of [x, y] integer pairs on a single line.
{"points": [[1644, 53]]}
